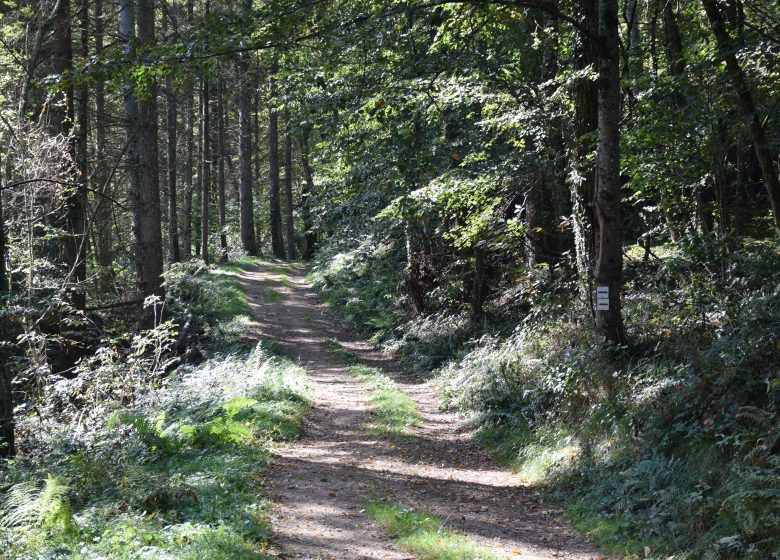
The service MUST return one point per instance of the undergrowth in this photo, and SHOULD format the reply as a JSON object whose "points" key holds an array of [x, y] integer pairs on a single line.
{"points": [[173, 472], [669, 446]]}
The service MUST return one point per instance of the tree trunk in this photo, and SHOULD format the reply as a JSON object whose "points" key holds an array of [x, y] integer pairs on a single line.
{"points": [[145, 201], [223, 256], [277, 238], [103, 210], [478, 284], [189, 163], [127, 37], [245, 196], [414, 285], [583, 187], [288, 191], [533, 224], [61, 118], [727, 50], [171, 121], [306, 194], [7, 443], [555, 174], [205, 178], [7, 446], [609, 265], [78, 218]]}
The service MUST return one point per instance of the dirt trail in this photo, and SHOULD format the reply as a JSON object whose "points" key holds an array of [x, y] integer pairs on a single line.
{"points": [[320, 483]]}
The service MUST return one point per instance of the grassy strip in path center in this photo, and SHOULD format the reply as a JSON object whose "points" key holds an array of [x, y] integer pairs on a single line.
{"points": [[397, 412], [424, 534]]}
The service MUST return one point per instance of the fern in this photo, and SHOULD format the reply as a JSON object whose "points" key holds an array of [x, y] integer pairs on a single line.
{"points": [[26, 505]]}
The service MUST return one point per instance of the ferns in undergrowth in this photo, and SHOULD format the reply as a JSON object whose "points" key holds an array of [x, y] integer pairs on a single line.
{"points": [[29, 505]]}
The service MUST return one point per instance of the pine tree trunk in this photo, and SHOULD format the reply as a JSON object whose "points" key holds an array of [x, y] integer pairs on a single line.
{"points": [[306, 194], [223, 246], [127, 37], [288, 191], [145, 201], [61, 122], [609, 264], [172, 125], [7, 444], [189, 163], [583, 188], [205, 179], [478, 284], [78, 219], [727, 49], [103, 210], [414, 285], [533, 225], [245, 195], [277, 238]]}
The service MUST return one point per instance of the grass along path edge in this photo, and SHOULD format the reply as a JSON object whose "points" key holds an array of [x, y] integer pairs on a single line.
{"points": [[423, 534], [397, 413], [178, 474]]}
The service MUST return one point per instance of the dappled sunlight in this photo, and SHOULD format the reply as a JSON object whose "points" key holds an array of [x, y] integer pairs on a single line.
{"points": [[322, 483]]}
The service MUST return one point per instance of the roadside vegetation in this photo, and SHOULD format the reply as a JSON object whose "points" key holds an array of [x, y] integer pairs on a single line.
{"points": [[168, 466], [670, 443]]}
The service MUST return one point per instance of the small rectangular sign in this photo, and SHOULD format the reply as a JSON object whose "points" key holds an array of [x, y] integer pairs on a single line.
{"points": [[602, 298]]}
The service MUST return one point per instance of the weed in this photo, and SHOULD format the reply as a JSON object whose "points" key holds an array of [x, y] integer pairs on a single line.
{"points": [[274, 296], [173, 476], [424, 534], [397, 412]]}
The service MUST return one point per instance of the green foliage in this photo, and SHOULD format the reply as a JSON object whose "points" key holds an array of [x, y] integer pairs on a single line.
{"points": [[668, 444], [424, 534], [170, 474], [214, 296], [28, 506]]}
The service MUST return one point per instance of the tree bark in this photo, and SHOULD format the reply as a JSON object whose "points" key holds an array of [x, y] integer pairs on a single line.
{"points": [[61, 118], [223, 245], [288, 184], [78, 219], [145, 201], [205, 179], [727, 50], [103, 210], [583, 187], [533, 223], [245, 195], [7, 444], [478, 284], [189, 163], [307, 192], [172, 125], [609, 265], [127, 37], [277, 238]]}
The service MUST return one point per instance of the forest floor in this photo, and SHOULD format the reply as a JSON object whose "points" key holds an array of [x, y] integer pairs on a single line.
{"points": [[355, 487]]}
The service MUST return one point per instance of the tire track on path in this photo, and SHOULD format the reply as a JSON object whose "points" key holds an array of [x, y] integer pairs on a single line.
{"points": [[320, 482]]}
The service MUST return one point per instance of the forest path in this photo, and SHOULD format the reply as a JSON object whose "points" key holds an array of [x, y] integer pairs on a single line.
{"points": [[320, 483]]}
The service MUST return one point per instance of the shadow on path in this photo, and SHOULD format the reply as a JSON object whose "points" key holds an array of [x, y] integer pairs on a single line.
{"points": [[320, 483]]}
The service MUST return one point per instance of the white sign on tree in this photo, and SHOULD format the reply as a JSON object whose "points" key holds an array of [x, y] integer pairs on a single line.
{"points": [[602, 298]]}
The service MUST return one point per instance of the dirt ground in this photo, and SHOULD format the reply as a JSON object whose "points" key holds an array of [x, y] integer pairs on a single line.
{"points": [[320, 483]]}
